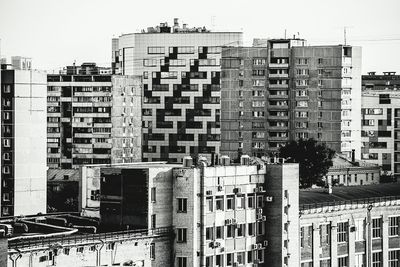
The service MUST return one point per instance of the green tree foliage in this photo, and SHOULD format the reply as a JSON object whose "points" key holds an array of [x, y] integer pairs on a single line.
{"points": [[314, 160]]}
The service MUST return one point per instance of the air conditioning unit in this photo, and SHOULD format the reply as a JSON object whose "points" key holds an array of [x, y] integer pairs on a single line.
{"points": [[187, 162], [265, 243], [211, 244], [254, 246], [259, 210], [228, 221], [208, 192], [233, 221], [353, 228], [220, 188], [259, 217], [261, 189], [237, 190], [255, 190], [268, 199], [264, 218], [260, 246], [217, 244]]}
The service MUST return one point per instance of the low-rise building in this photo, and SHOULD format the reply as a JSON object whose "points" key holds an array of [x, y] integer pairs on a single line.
{"points": [[353, 226], [352, 172]]}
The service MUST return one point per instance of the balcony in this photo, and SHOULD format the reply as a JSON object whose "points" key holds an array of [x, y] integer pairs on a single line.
{"points": [[278, 138], [277, 118], [278, 65], [278, 86], [278, 75], [277, 107], [278, 96]]}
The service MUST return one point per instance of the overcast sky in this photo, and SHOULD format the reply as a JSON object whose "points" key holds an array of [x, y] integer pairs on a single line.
{"points": [[57, 32]]}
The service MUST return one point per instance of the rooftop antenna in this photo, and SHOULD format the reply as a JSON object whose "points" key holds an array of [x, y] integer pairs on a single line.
{"points": [[285, 33], [344, 33], [213, 22]]}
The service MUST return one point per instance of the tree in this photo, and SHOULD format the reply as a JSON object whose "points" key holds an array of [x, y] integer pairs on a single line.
{"points": [[314, 160]]}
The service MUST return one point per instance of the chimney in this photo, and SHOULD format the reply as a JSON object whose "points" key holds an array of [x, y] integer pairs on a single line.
{"points": [[176, 23], [353, 155]]}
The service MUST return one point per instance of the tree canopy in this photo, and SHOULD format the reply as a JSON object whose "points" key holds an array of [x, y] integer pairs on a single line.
{"points": [[314, 160]]}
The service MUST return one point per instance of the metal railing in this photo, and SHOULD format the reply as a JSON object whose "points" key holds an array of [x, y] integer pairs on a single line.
{"points": [[355, 203], [89, 238]]}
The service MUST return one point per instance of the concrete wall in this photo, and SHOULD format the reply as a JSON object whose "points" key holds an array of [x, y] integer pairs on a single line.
{"points": [[30, 142], [126, 119]]}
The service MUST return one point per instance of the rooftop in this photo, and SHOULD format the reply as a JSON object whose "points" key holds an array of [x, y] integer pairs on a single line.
{"points": [[349, 193]]}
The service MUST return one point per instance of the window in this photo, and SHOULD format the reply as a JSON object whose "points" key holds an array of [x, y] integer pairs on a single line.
{"points": [[153, 221], [182, 261], [240, 258], [359, 260], [209, 261], [259, 61], [230, 231], [182, 235], [6, 196], [376, 259], [302, 103], [95, 194], [394, 224], [209, 233], [6, 142], [342, 232], [182, 204], [240, 230], [153, 194], [240, 202], [377, 228], [219, 232], [260, 228], [250, 202], [306, 236], [152, 251], [219, 260], [302, 61], [155, 50], [229, 259], [251, 229], [209, 203], [250, 256], [219, 203], [258, 82], [394, 258], [343, 261], [325, 234]]}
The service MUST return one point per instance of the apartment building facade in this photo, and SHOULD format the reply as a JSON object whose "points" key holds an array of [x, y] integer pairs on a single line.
{"points": [[93, 117], [23, 141], [287, 91], [181, 87], [355, 227], [219, 213], [381, 121]]}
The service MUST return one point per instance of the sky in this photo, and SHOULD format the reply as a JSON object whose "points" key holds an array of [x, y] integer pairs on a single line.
{"points": [[55, 33]]}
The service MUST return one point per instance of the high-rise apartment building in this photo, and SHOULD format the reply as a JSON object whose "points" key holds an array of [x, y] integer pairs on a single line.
{"points": [[381, 121], [23, 141], [93, 117], [287, 91], [181, 87]]}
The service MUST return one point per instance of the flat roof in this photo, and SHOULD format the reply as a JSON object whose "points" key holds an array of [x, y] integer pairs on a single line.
{"points": [[346, 193]]}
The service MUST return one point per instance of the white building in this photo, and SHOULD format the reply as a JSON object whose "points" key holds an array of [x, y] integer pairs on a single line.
{"points": [[181, 87], [23, 141]]}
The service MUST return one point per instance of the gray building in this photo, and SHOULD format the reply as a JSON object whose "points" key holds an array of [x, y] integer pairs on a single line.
{"points": [[93, 117], [287, 91]]}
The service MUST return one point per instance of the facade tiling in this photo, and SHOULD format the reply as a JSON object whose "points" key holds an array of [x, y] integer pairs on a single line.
{"points": [[287, 91], [93, 117], [23, 141], [381, 121], [181, 88]]}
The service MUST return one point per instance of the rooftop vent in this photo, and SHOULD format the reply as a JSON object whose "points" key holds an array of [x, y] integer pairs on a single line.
{"points": [[187, 162]]}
